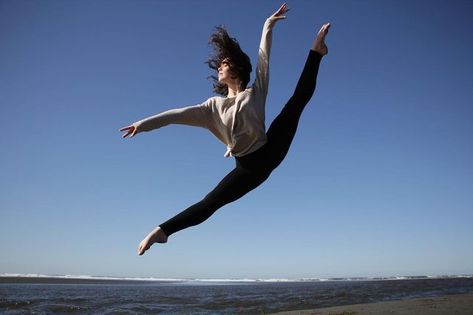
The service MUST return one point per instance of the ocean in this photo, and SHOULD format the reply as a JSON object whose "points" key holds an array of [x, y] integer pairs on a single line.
{"points": [[98, 295]]}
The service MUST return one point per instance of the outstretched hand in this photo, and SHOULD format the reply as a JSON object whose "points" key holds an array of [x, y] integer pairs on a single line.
{"points": [[129, 130], [279, 14]]}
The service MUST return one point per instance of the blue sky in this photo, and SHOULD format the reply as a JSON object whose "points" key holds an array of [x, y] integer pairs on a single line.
{"points": [[378, 182]]}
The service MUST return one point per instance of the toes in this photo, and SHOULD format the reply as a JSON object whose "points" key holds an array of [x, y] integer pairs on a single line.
{"points": [[326, 27], [142, 248]]}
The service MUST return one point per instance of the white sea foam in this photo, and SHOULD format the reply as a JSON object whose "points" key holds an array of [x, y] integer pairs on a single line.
{"points": [[228, 280], [86, 277]]}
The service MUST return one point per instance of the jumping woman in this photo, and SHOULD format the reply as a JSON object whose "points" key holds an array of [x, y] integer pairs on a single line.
{"points": [[237, 118]]}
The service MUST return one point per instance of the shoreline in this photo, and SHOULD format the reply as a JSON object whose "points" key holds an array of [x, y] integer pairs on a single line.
{"points": [[55, 279], [459, 304]]}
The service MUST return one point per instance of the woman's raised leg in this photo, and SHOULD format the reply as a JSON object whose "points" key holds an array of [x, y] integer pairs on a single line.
{"points": [[283, 128]]}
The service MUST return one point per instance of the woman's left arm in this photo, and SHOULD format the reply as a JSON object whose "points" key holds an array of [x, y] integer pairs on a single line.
{"points": [[262, 68]]}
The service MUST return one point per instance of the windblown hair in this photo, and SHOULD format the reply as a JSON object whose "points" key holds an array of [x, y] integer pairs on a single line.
{"points": [[226, 47]]}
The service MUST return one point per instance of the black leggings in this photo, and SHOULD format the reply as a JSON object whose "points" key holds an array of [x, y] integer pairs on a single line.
{"points": [[253, 169]]}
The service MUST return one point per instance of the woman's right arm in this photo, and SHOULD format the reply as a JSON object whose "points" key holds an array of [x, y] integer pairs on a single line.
{"points": [[198, 115]]}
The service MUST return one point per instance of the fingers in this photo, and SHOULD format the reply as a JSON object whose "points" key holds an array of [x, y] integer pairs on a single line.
{"points": [[130, 130], [278, 15], [127, 129], [283, 9]]}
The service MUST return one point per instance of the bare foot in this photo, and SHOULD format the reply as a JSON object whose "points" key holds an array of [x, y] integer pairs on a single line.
{"points": [[155, 236], [319, 42]]}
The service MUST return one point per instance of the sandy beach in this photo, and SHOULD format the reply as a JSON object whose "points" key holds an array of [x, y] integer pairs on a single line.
{"points": [[446, 305]]}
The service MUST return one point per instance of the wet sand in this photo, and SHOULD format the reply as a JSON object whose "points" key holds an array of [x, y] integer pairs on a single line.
{"points": [[461, 304]]}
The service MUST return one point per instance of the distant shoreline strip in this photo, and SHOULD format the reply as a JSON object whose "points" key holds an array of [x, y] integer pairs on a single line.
{"points": [[69, 279]]}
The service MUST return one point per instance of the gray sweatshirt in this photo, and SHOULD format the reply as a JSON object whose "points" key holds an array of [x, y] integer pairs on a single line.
{"points": [[238, 121]]}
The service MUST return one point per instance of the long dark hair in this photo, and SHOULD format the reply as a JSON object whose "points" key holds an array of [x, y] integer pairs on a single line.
{"points": [[226, 47]]}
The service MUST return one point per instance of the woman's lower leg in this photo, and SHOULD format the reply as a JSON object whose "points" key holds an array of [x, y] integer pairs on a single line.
{"points": [[232, 187]]}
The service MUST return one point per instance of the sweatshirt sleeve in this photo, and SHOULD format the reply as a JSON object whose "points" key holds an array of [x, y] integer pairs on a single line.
{"points": [[262, 67], [197, 115]]}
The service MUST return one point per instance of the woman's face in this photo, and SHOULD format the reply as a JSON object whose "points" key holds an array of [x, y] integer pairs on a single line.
{"points": [[224, 72]]}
